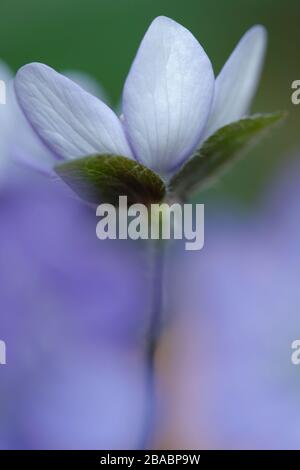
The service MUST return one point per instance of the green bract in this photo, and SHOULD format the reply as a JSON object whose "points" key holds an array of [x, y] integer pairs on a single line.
{"points": [[220, 150], [103, 178]]}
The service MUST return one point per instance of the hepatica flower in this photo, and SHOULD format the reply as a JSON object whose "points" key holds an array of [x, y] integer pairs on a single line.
{"points": [[178, 127], [171, 105]]}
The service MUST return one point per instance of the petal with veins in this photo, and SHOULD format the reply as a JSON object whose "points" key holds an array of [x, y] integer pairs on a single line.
{"points": [[72, 122], [167, 96], [88, 83], [237, 82], [28, 148]]}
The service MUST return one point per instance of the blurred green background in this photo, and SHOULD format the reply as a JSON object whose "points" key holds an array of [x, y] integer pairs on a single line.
{"points": [[101, 37]]}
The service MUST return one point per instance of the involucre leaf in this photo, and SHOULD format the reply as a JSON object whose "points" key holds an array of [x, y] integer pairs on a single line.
{"points": [[103, 178], [221, 149]]}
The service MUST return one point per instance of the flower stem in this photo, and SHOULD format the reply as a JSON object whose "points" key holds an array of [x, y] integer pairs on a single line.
{"points": [[153, 336]]}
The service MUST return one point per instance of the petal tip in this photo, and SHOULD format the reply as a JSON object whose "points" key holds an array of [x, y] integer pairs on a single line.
{"points": [[257, 33], [164, 22], [30, 66], [24, 72]]}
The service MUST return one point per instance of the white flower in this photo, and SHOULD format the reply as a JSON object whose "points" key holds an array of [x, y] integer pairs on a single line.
{"points": [[171, 100]]}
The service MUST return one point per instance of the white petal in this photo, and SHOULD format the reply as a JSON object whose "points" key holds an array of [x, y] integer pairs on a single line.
{"points": [[72, 122], [167, 96], [28, 148], [238, 80], [88, 83]]}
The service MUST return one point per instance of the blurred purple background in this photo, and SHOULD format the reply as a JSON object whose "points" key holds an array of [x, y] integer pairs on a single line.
{"points": [[74, 313], [237, 306]]}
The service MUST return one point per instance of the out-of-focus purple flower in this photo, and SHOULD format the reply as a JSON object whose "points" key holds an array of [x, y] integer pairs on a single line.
{"points": [[239, 311], [171, 100], [93, 400], [73, 313]]}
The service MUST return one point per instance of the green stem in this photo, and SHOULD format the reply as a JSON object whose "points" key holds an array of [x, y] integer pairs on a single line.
{"points": [[153, 336]]}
